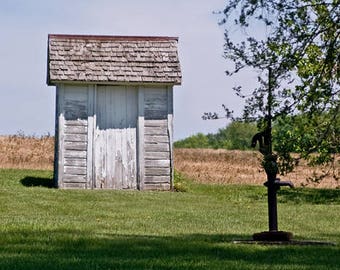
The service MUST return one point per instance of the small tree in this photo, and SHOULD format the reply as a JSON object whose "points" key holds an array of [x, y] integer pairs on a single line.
{"points": [[298, 74], [238, 134], [298, 60]]}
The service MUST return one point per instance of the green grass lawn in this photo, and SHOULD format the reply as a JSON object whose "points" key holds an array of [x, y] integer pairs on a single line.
{"points": [[47, 228]]}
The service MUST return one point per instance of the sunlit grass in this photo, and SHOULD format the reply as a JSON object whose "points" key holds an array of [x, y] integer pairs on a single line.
{"points": [[47, 228]]}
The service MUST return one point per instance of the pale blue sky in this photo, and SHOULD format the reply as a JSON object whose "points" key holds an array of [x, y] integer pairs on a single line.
{"points": [[27, 103]]}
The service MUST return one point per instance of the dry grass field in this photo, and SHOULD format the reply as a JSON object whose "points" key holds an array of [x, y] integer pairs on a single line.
{"points": [[26, 152], [202, 165], [239, 167]]}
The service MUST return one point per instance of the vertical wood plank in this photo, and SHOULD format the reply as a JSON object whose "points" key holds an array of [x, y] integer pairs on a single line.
{"points": [[107, 178], [90, 131], [110, 143], [170, 133], [99, 155], [117, 102], [131, 130], [93, 162], [56, 137], [140, 139], [61, 127], [110, 155], [120, 109], [123, 130]]}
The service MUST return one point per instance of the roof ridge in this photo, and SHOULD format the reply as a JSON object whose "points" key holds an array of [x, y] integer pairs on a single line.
{"points": [[109, 37]]}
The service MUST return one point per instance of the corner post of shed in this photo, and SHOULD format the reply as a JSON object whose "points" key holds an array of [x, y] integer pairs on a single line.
{"points": [[59, 149], [140, 139], [170, 133], [91, 122], [56, 139]]}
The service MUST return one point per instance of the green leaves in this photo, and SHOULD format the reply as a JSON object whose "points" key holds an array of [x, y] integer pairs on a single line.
{"points": [[299, 135], [300, 41]]}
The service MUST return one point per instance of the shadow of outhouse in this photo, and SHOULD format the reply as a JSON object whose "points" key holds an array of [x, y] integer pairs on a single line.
{"points": [[32, 181]]}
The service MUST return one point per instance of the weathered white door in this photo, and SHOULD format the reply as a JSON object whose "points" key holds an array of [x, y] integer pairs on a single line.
{"points": [[115, 157]]}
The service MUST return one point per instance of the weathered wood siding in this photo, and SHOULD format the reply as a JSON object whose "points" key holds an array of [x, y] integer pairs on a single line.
{"points": [[157, 138], [115, 160], [114, 137], [72, 136]]}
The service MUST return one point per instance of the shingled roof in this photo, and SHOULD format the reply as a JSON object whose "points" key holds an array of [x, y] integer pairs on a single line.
{"points": [[113, 59]]}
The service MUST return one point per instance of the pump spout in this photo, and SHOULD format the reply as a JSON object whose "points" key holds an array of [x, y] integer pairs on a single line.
{"points": [[277, 184], [283, 183]]}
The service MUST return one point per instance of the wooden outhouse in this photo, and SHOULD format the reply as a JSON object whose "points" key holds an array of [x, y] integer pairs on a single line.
{"points": [[114, 110]]}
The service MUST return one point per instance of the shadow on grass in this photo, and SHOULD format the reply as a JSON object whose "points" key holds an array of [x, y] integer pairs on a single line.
{"points": [[72, 249], [310, 195], [33, 181]]}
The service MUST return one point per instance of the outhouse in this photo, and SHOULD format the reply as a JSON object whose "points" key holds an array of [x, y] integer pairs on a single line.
{"points": [[114, 110]]}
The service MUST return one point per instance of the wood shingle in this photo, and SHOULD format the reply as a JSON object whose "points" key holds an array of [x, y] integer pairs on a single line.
{"points": [[113, 59]]}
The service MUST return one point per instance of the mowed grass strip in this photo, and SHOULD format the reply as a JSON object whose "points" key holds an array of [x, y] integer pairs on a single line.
{"points": [[47, 228]]}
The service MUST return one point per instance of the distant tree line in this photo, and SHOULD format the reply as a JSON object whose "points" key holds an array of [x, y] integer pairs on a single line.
{"points": [[237, 135]]}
